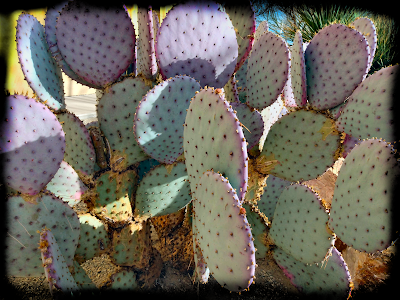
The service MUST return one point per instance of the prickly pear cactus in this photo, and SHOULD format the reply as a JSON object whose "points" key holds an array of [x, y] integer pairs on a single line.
{"points": [[205, 148]]}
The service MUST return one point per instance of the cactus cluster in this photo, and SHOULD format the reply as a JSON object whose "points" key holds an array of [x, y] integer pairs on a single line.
{"points": [[208, 143]]}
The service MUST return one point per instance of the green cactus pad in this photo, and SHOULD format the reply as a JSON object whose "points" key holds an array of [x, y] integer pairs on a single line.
{"points": [[270, 197], [300, 225], [253, 124], [259, 229], [124, 280], [67, 185], [160, 116], [131, 245], [27, 216], [330, 280], [82, 280], [116, 112], [230, 90], [300, 146], [214, 139], [55, 268], [267, 70], [223, 232], [240, 77], [298, 71], [112, 199], [39, 67], [361, 211], [336, 62], [163, 190], [93, 239], [367, 28], [79, 151], [369, 109], [244, 22]]}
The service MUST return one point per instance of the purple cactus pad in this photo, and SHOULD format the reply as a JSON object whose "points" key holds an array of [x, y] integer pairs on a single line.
{"points": [[197, 39], [32, 142]]}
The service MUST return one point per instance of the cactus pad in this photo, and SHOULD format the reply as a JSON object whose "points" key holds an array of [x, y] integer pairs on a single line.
{"points": [[112, 199], [253, 124], [367, 28], [79, 151], [24, 218], [298, 71], [55, 267], [361, 210], [369, 110], [300, 146], [259, 229], [39, 67], [93, 239], [270, 197], [213, 139], [124, 280], [146, 53], [67, 185], [223, 232], [131, 245], [244, 22], [261, 29], [331, 280], [52, 14], [336, 62], [299, 226], [197, 39], [162, 191], [267, 70], [32, 143], [108, 30], [82, 280], [124, 96], [160, 116]]}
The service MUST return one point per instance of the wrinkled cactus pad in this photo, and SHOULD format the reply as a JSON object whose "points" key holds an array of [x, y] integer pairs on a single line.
{"points": [[39, 67], [299, 226], [124, 280], [199, 40], [336, 62], [82, 26], [163, 190], [300, 146], [27, 216], [214, 139], [330, 280], [146, 61], [361, 210], [223, 232], [160, 116], [32, 143], [55, 268]]}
